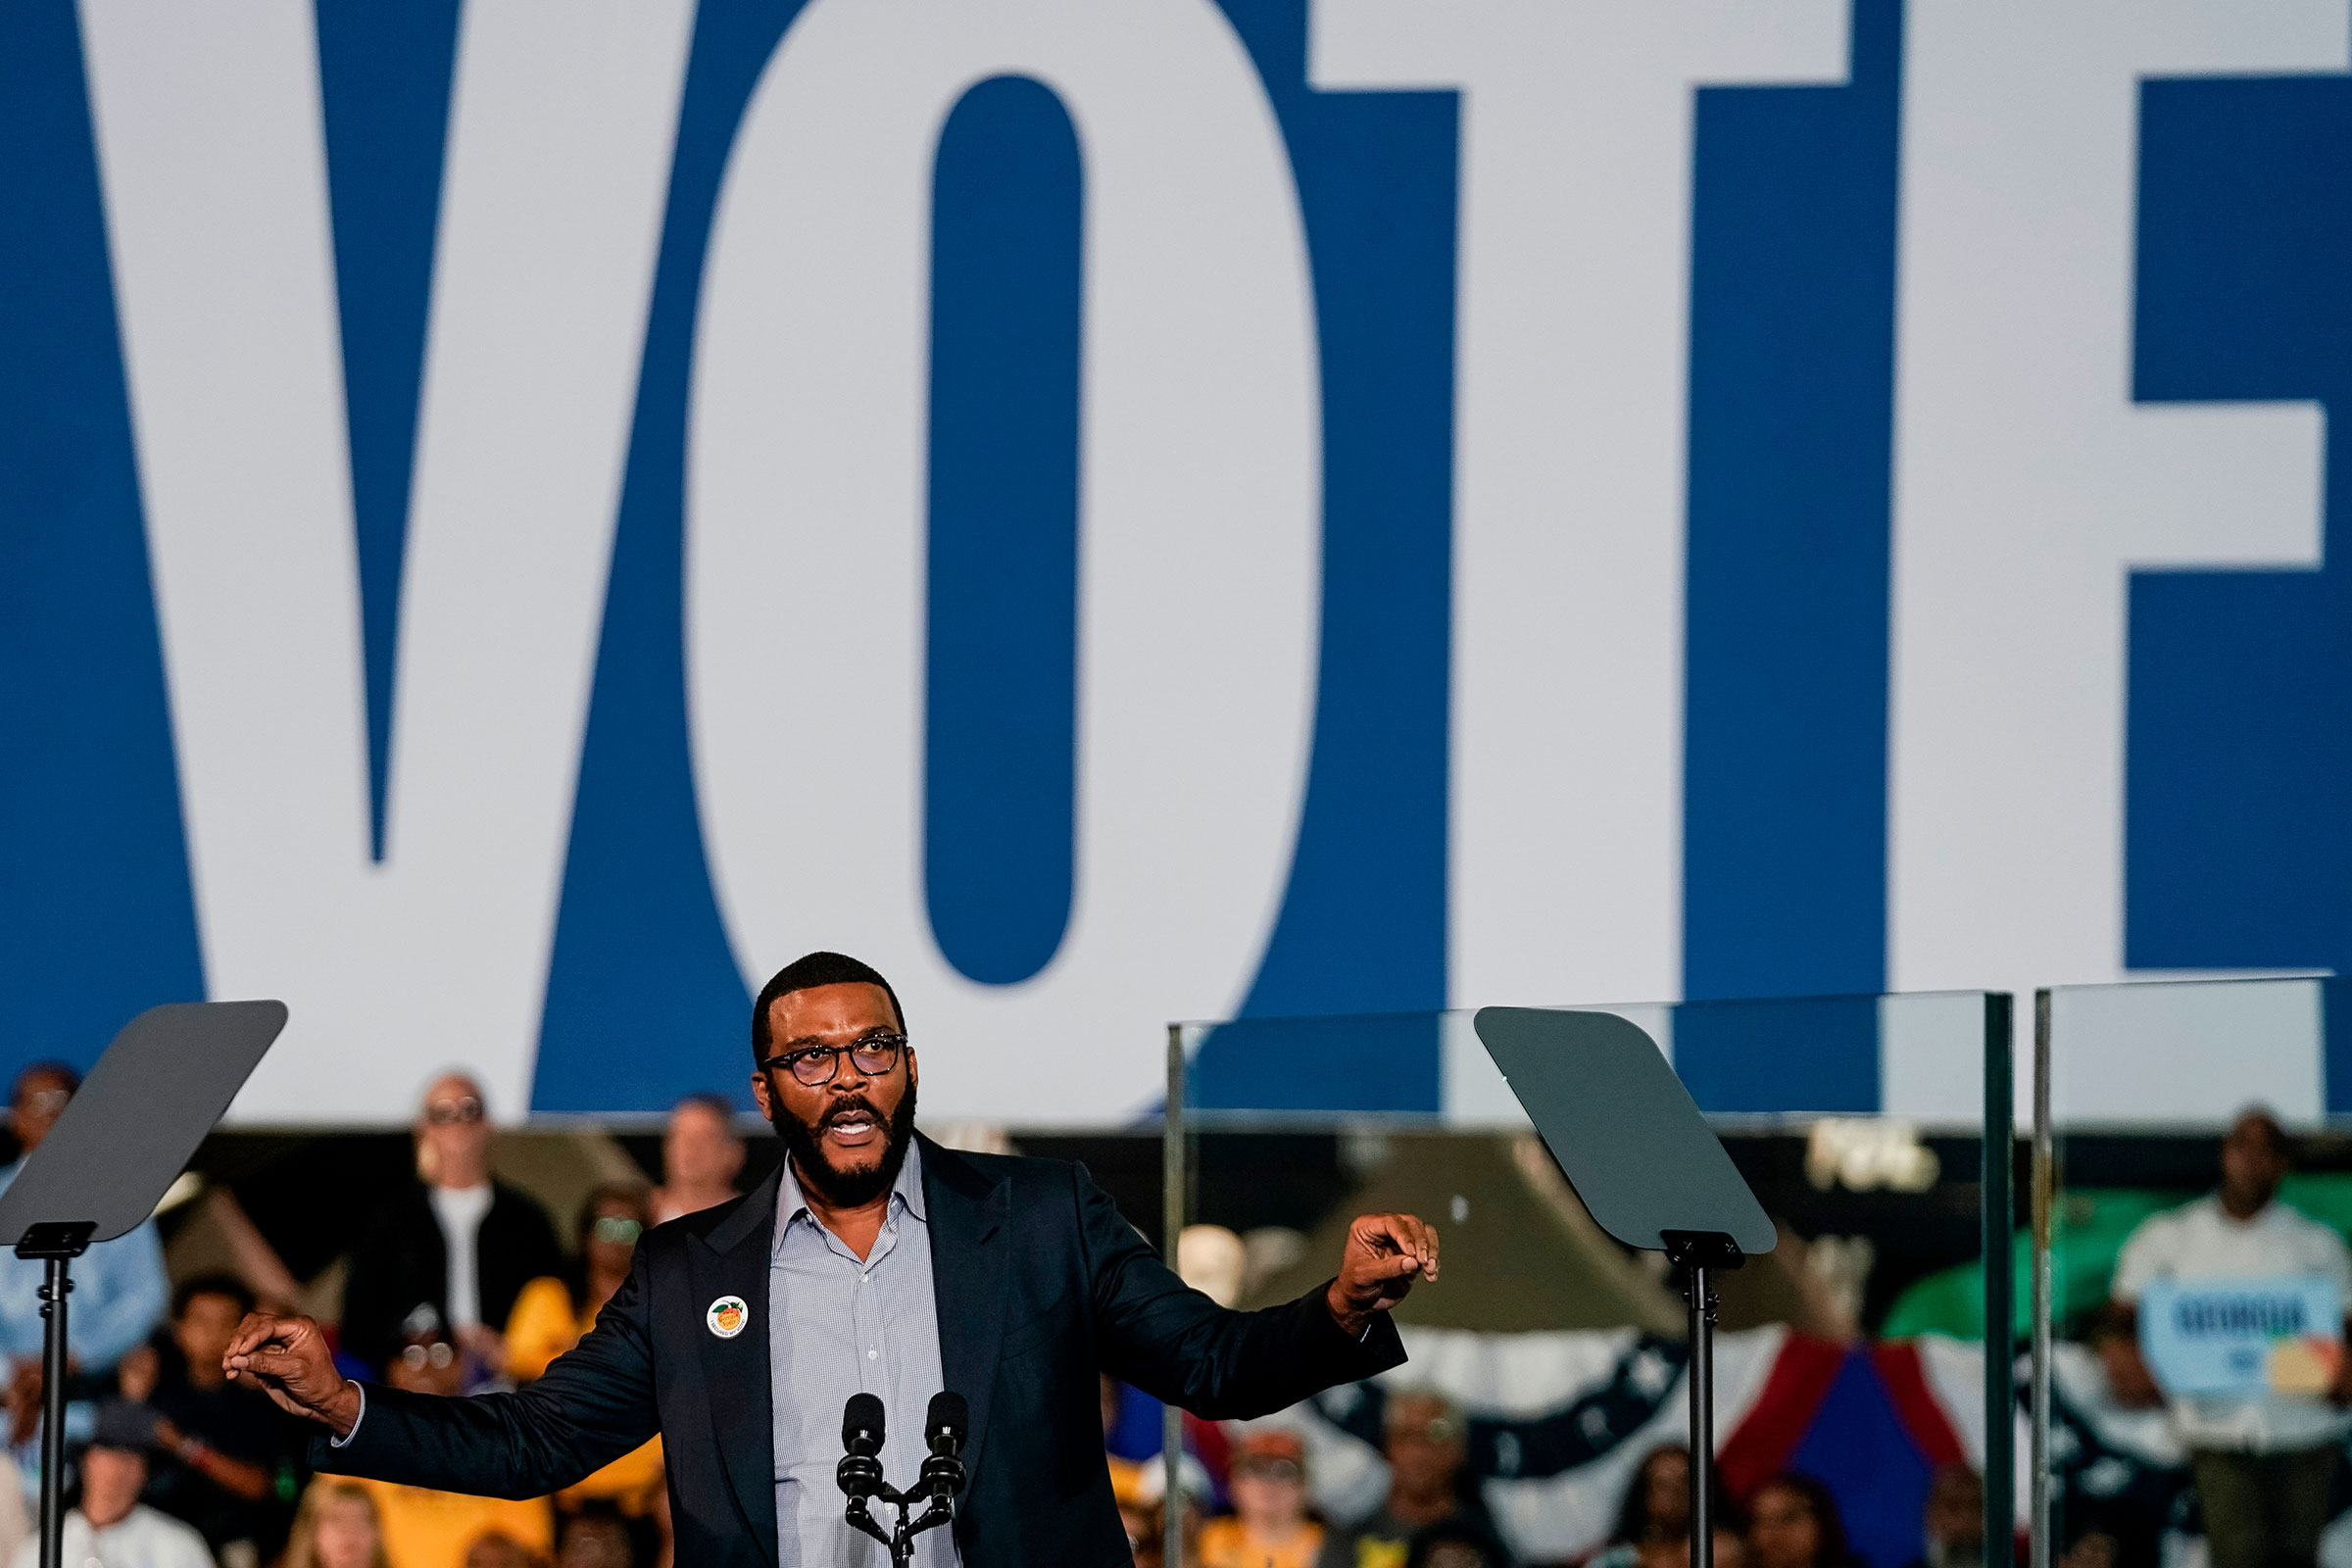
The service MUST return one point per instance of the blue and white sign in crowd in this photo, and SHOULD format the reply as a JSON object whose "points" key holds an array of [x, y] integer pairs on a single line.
{"points": [[518, 519]]}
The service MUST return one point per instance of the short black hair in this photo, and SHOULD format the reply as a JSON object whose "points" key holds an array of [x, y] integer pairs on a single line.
{"points": [[214, 1284], [807, 972]]}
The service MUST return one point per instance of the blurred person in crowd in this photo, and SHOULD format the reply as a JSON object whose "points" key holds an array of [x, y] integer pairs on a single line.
{"points": [[335, 1528], [1147, 1524], [426, 1529], [2093, 1542], [1792, 1522], [229, 1462], [456, 1237], [596, 1536], [15, 1513], [1136, 1517], [110, 1526], [702, 1154], [552, 1315], [2265, 1465], [1150, 1543], [1424, 1438], [1453, 1544], [2133, 1495], [2114, 1337], [1268, 1527], [119, 1289], [496, 1551], [1952, 1524], [1653, 1522]]}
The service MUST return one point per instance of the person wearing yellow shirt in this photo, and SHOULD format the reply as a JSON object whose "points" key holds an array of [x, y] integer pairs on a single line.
{"points": [[552, 1315], [424, 1528], [1268, 1527]]}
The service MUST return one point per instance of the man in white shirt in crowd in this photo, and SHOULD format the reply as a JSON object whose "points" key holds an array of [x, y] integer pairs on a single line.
{"points": [[2264, 1463], [110, 1527], [456, 1239]]}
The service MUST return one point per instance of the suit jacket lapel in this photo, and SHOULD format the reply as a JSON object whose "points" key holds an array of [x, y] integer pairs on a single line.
{"points": [[733, 1260], [970, 1261]]}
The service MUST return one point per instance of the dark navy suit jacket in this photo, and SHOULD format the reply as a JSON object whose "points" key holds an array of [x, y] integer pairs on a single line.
{"points": [[1040, 1285]]}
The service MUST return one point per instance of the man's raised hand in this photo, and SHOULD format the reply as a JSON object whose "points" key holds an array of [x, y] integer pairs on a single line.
{"points": [[1384, 1254], [286, 1358]]}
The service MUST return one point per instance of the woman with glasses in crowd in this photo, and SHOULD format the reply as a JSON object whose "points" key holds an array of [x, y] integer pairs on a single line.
{"points": [[551, 1315]]}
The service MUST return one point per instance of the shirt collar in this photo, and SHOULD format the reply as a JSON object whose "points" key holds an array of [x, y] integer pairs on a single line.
{"points": [[906, 1193]]}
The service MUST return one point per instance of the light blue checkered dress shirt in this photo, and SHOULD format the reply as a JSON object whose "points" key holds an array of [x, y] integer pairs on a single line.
{"points": [[837, 1327]]}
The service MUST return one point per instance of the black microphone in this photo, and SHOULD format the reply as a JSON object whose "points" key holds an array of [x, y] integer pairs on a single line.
{"points": [[861, 1425], [860, 1472], [944, 1429]]}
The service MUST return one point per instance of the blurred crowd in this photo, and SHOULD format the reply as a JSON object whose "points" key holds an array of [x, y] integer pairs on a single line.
{"points": [[2251, 1478], [1246, 1504], [461, 1281], [457, 1283]]}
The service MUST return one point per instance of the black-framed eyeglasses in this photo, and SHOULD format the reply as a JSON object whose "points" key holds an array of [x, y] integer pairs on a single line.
{"points": [[873, 1057]]}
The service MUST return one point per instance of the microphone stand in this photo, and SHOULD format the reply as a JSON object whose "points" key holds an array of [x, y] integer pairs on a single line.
{"points": [[861, 1476]]}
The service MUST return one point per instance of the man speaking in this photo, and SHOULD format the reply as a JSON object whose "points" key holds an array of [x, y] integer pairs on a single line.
{"points": [[875, 1262]]}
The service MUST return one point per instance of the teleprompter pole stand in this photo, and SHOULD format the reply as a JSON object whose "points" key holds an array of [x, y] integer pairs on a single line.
{"points": [[1650, 1170], [57, 1243], [123, 1139], [1698, 1253]]}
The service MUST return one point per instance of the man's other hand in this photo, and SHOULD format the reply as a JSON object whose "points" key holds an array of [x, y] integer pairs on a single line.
{"points": [[286, 1358], [1384, 1254]]}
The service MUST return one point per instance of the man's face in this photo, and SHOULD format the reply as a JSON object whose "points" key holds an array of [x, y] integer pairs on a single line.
{"points": [[452, 1123], [40, 1099], [848, 1137], [202, 1332], [699, 1147], [2253, 1162], [1783, 1531], [1424, 1444], [111, 1482]]}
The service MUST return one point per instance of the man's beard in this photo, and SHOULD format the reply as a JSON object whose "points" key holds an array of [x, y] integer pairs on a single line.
{"points": [[845, 1188]]}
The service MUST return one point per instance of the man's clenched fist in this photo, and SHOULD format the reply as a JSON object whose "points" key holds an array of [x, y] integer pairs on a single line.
{"points": [[1377, 1266], [286, 1358]]}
